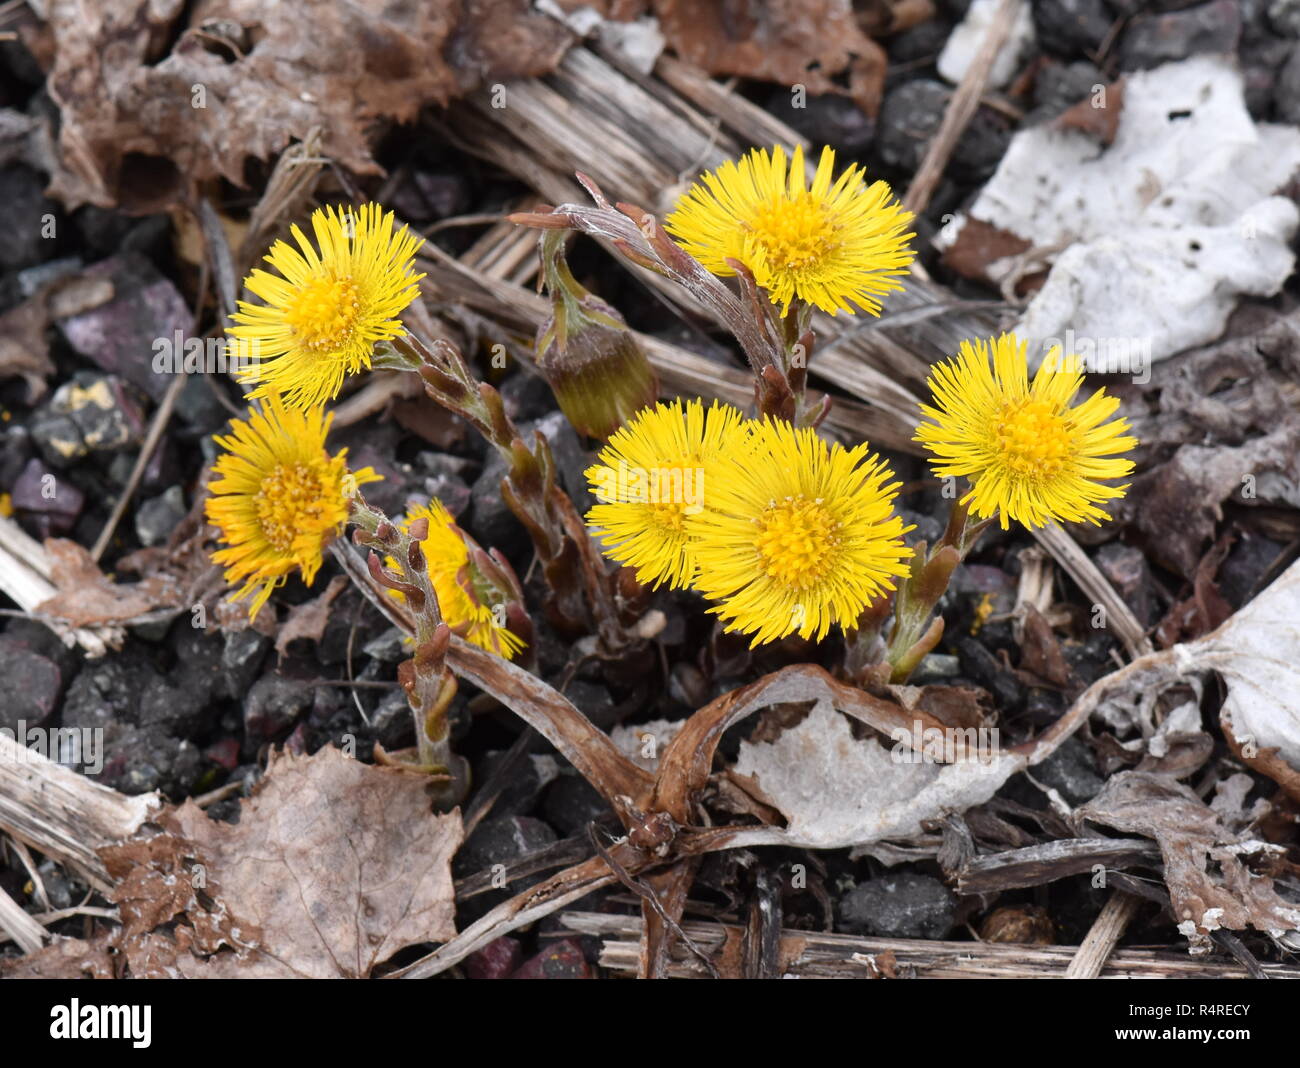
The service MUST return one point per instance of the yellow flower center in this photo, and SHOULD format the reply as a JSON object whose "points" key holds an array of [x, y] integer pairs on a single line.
{"points": [[669, 516], [794, 232], [288, 499], [796, 541], [1032, 438], [324, 312]]}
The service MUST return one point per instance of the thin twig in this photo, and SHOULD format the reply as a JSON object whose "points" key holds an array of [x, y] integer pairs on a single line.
{"points": [[1107, 930], [961, 109], [160, 420]]}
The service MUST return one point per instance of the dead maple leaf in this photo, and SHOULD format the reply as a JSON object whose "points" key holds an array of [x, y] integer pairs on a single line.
{"points": [[333, 867], [143, 119]]}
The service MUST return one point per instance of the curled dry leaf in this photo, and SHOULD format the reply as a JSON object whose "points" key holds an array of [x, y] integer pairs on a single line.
{"points": [[142, 118], [1209, 886], [334, 867], [87, 597], [835, 789]]}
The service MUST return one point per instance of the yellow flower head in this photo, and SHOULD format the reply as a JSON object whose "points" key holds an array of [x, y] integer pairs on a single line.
{"points": [[1030, 456], [797, 535], [650, 479], [833, 244], [329, 306], [278, 498], [465, 597]]}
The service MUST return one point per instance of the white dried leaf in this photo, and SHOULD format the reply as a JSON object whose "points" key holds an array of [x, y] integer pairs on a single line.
{"points": [[1162, 230], [836, 790]]}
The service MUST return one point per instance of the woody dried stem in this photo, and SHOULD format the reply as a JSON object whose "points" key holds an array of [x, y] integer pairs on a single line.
{"points": [[429, 686]]}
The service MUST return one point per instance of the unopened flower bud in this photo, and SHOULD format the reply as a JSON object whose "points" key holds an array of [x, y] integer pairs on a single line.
{"points": [[595, 368]]}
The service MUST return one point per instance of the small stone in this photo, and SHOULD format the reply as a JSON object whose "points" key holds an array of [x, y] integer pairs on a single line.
{"points": [[527, 396], [432, 196], [92, 413], [445, 482], [198, 407], [928, 529], [111, 233], [1019, 924], [1070, 27], [490, 520], [935, 668], [48, 502], [520, 788], [391, 647], [496, 960], [273, 706], [561, 960], [1128, 571], [29, 222], [123, 336], [1153, 40], [902, 905], [1262, 64], [571, 804], [1284, 17], [224, 753], [501, 840], [1241, 575], [1059, 86], [922, 42], [33, 278], [157, 517], [979, 664], [392, 723], [31, 683], [826, 120], [242, 654], [1286, 93], [909, 119], [1071, 771], [106, 692]]}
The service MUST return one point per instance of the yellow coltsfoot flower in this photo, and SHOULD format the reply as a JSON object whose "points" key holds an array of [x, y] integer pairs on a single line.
{"points": [[838, 244], [278, 498], [651, 478], [1029, 454], [331, 303], [467, 599], [797, 535]]}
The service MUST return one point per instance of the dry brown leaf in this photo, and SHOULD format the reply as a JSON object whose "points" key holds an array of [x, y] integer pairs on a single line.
{"points": [[792, 42], [333, 867], [86, 597], [1177, 504], [144, 118], [1209, 886], [339, 864], [308, 620]]}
